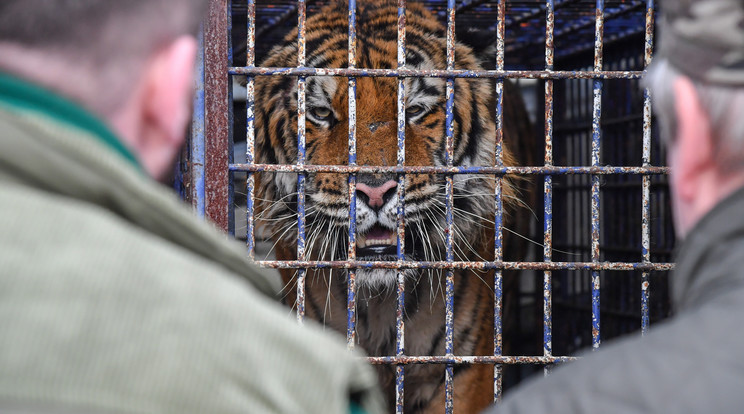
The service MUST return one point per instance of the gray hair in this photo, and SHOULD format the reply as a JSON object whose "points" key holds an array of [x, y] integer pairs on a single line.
{"points": [[92, 50], [723, 104]]}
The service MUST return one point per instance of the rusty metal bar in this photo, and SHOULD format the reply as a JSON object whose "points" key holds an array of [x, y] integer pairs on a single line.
{"points": [[512, 360], [217, 120], [498, 254], [250, 104], [301, 148], [351, 284], [646, 196], [197, 136], [548, 186], [596, 138], [550, 170], [484, 265], [401, 231], [449, 234], [435, 73]]}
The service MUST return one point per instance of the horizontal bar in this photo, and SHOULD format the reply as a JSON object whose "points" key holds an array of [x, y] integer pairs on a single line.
{"points": [[490, 359], [547, 170], [436, 73], [484, 265]]}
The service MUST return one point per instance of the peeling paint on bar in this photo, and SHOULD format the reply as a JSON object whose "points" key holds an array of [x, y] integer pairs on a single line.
{"points": [[547, 170], [401, 231], [512, 360], [351, 285], [548, 187], [250, 104], [596, 141], [485, 265], [301, 177], [646, 189], [435, 73]]}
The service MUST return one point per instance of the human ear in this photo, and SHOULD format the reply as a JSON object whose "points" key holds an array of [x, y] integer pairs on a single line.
{"points": [[693, 145], [166, 104]]}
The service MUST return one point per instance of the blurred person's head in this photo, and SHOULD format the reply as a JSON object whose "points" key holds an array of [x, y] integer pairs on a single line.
{"points": [[130, 62], [697, 87]]}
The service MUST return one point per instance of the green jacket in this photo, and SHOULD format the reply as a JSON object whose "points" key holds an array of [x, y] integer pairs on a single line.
{"points": [[114, 298]]}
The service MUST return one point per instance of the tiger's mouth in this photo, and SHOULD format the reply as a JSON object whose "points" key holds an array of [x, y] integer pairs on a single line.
{"points": [[378, 241]]}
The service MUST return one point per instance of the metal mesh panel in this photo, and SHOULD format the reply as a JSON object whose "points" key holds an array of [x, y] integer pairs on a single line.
{"points": [[603, 237]]}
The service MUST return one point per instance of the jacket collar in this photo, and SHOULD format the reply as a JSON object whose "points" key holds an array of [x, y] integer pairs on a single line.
{"points": [[18, 95], [708, 241]]}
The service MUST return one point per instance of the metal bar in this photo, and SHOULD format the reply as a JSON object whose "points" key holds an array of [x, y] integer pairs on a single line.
{"points": [[197, 135], [401, 231], [230, 123], [435, 73], [498, 254], [216, 107], [512, 360], [531, 15], [250, 104], [351, 285], [646, 193], [596, 138], [548, 186], [301, 177], [449, 323], [484, 265], [551, 170]]}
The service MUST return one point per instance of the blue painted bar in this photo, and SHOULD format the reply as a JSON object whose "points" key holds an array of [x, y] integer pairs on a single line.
{"points": [[197, 135], [351, 285], [498, 254], [646, 186], [596, 142], [479, 265], [250, 104], [401, 231], [449, 324], [548, 186], [302, 176]]}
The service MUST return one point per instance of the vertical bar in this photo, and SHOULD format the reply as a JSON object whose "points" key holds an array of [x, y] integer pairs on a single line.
{"points": [[250, 127], [230, 123], [216, 115], [351, 288], [449, 205], [401, 231], [596, 141], [646, 193], [548, 187], [301, 176], [197, 134], [499, 207]]}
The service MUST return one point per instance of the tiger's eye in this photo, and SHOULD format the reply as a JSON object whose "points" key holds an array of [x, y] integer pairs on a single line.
{"points": [[321, 113], [414, 110]]}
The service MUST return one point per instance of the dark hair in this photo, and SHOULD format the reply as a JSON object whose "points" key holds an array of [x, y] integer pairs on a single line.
{"points": [[109, 38]]}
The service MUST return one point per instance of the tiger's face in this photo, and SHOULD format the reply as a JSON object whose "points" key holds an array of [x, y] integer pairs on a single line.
{"points": [[327, 143]]}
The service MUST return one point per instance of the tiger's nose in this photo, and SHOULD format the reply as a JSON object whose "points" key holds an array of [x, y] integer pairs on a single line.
{"points": [[376, 197]]}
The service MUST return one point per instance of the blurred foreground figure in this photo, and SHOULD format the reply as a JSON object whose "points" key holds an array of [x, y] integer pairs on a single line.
{"points": [[113, 298], [691, 363]]}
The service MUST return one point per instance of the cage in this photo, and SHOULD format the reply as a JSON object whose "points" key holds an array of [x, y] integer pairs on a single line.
{"points": [[601, 238]]}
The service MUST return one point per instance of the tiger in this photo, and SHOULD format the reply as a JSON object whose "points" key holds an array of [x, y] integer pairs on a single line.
{"points": [[328, 202]]}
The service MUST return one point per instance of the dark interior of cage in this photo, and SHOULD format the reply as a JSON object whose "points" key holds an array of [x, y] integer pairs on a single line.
{"points": [[620, 195]]}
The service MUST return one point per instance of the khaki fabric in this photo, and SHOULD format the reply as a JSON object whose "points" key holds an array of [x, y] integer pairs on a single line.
{"points": [[113, 298]]}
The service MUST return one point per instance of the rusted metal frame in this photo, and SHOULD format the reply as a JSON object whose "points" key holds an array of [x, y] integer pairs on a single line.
{"points": [[351, 284], [301, 154], [197, 136], [646, 193], [435, 73], [548, 186], [549, 170], [596, 141], [449, 233], [481, 265], [470, 359], [216, 114], [498, 253], [401, 230], [250, 127]]}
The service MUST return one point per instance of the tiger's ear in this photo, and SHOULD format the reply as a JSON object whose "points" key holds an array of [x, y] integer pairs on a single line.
{"points": [[483, 43]]}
